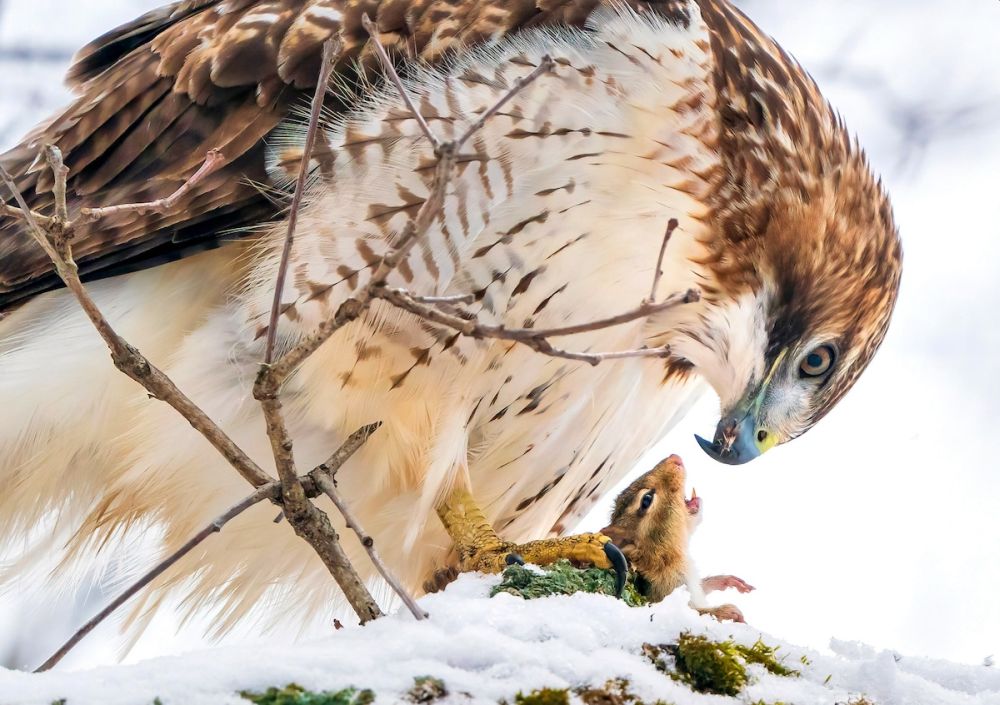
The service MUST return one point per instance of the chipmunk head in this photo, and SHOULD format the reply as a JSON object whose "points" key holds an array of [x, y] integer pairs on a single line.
{"points": [[652, 519]]}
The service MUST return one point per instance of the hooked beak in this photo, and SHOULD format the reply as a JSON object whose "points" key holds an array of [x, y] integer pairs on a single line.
{"points": [[736, 441], [741, 435]]}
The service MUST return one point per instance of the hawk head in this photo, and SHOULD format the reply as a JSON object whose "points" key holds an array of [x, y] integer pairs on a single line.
{"points": [[803, 256]]}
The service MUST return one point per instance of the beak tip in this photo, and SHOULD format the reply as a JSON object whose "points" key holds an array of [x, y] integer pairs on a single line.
{"points": [[706, 445]]}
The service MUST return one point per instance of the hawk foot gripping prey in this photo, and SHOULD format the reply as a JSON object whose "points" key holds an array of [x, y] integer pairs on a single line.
{"points": [[480, 548]]}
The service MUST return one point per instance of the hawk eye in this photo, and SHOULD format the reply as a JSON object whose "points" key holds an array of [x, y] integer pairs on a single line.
{"points": [[818, 362], [647, 500]]}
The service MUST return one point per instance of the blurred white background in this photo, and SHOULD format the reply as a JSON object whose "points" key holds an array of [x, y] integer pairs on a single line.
{"points": [[883, 523]]}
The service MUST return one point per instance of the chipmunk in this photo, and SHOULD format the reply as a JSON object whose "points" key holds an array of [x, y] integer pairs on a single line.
{"points": [[652, 523]]}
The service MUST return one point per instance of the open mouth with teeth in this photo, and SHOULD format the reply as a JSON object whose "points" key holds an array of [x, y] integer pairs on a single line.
{"points": [[694, 504]]}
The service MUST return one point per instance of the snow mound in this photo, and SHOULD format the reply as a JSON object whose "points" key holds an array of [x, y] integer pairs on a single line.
{"points": [[487, 650]]}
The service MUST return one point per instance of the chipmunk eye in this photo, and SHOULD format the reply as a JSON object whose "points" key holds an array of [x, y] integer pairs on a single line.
{"points": [[647, 500]]}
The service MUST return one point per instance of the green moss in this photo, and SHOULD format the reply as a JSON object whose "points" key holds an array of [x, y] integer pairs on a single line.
{"points": [[561, 578], [708, 666], [764, 655], [545, 696], [426, 689], [293, 694]]}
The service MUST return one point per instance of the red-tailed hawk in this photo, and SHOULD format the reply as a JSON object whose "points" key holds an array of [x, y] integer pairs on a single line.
{"points": [[655, 110]]}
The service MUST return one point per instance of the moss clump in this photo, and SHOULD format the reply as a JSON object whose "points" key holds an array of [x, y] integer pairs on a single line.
{"points": [[426, 689], [561, 578], [764, 655], [614, 692], [293, 694], [708, 666], [545, 696]]}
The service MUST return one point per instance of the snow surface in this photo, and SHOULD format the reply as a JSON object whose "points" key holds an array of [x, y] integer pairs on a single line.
{"points": [[488, 649]]}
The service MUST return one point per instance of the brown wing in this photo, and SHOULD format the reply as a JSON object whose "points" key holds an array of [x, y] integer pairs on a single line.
{"points": [[155, 95]]}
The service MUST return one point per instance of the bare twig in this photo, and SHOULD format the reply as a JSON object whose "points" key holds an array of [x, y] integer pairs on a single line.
{"points": [[346, 450], [372, 30], [456, 299], [470, 326], [213, 160], [544, 66], [309, 522], [325, 482], [671, 226], [60, 172], [537, 340], [330, 48], [268, 491], [128, 359], [12, 212]]}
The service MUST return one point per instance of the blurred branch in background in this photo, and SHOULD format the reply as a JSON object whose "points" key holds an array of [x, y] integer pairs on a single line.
{"points": [[919, 114], [918, 119]]}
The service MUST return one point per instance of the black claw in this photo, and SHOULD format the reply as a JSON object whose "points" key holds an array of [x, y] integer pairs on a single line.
{"points": [[619, 563], [513, 559]]}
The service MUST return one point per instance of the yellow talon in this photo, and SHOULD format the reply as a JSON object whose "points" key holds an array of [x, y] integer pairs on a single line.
{"points": [[580, 549], [481, 549]]}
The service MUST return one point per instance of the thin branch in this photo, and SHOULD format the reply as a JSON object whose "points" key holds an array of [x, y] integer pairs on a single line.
{"points": [[471, 327], [536, 340], [330, 48], [325, 482], [383, 56], [308, 521], [12, 212], [268, 491], [213, 160], [544, 66], [129, 360], [346, 450], [456, 299], [671, 226], [60, 172], [643, 310]]}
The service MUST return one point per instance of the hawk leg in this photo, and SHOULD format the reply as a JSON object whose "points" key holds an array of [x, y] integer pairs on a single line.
{"points": [[480, 548]]}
